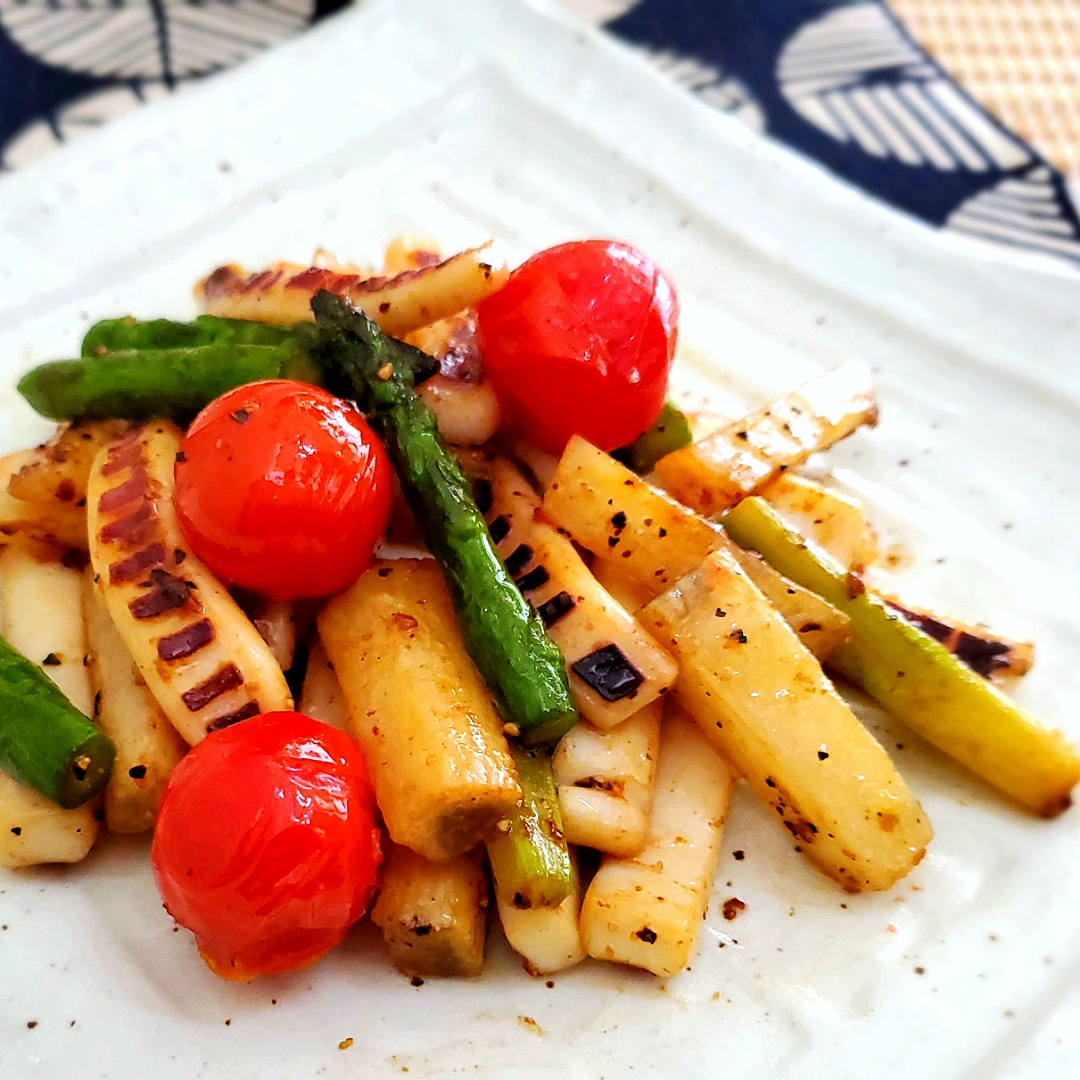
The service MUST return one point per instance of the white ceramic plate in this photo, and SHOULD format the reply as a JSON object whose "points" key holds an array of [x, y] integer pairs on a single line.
{"points": [[484, 118]]}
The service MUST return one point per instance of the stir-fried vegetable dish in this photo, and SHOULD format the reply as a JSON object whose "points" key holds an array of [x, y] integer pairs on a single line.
{"points": [[388, 592]]}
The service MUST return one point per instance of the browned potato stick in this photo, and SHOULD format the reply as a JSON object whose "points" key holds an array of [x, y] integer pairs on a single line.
{"points": [[765, 703], [433, 916], [642, 536], [547, 939], [614, 667], [59, 470], [398, 305], [49, 531], [41, 605], [985, 652], [819, 625], [433, 740], [321, 697], [147, 745], [714, 474], [647, 911], [605, 780], [624, 590], [835, 522], [202, 659]]}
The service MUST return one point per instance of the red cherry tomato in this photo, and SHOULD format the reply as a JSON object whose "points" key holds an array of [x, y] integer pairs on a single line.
{"points": [[580, 341], [283, 489], [266, 846]]}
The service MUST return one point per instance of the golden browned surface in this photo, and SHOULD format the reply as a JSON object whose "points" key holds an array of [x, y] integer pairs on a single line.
{"points": [[641, 536], [711, 475], [432, 737], [765, 703]]}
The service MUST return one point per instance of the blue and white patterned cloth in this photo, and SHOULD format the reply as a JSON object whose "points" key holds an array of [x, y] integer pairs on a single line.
{"points": [[839, 80]]}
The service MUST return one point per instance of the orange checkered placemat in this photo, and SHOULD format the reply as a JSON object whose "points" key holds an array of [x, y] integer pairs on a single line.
{"points": [[1018, 58]]}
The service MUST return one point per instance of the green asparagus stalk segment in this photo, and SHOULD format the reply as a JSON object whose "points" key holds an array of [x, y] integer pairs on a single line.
{"points": [[916, 678], [668, 433], [44, 740], [503, 634], [530, 861], [121, 335], [145, 384]]}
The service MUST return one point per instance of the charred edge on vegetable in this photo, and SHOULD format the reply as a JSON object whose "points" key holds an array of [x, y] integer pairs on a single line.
{"points": [[499, 529], [609, 673], [136, 486], [125, 453], [518, 559], [187, 641], [483, 495], [246, 712], [939, 631], [167, 594], [551, 611], [983, 655], [132, 529], [533, 579], [130, 568], [221, 682]]}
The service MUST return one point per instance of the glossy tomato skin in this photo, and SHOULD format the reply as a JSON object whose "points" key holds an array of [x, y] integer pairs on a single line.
{"points": [[266, 846], [283, 489], [580, 341]]}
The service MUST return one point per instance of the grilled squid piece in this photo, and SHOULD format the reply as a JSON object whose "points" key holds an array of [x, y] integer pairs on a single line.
{"points": [[605, 781], [414, 298], [462, 400], [202, 659]]}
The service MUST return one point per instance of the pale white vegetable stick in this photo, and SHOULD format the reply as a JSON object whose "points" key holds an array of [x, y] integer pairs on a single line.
{"points": [[322, 697], [597, 819], [647, 911], [547, 939], [147, 745], [42, 617], [605, 780]]}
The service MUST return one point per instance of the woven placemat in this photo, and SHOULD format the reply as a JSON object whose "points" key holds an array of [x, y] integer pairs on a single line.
{"points": [[1018, 58]]}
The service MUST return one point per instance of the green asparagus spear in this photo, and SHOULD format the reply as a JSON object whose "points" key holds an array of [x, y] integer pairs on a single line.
{"points": [[530, 862], [120, 335], [503, 634], [918, 679], [44, 740], [668, 433], [144, 384]]}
